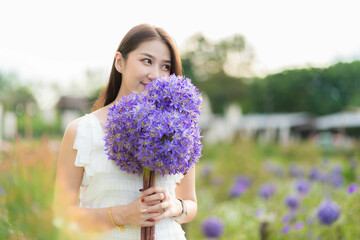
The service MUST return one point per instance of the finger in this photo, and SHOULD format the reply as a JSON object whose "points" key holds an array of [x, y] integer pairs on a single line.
{"points": [[162, 216], [147, 216], [155, 197], [152, 203], [159, 207], [152, 190], [147, 223]]}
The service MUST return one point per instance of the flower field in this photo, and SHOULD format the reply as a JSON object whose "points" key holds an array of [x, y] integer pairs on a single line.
{"points": [[245, 191], [271, 192]]}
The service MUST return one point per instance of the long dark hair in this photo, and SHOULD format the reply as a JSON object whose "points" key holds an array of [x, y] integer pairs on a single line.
{"points": [[130, 42]]}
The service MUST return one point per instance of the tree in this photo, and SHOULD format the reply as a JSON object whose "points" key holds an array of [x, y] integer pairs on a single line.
{"points": [[218, 68]]}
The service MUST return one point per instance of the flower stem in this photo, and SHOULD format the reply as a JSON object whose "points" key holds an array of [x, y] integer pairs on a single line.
{"points": [[149, 180]]}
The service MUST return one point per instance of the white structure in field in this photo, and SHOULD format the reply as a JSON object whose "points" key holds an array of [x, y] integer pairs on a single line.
{"points": [[10, 125]]}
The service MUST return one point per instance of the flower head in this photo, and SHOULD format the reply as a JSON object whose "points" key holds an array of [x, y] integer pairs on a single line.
{"points": [[212, 227], [328, 212], [292, 202], [267, 190], [353, 188], [302, 185], [156, 128], [240, 185]]}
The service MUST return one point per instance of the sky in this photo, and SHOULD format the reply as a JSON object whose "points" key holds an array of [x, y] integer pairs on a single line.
{"points": [[57, 41]]}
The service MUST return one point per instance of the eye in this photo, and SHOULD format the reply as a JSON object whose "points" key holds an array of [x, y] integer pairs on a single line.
{"points": [[167, 67], [147, 60]]}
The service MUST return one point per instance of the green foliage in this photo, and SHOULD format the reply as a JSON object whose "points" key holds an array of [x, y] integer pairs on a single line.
{"points": [[313, 90]]}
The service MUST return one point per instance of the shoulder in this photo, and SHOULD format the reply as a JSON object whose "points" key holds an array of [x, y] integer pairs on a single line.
{"points": [[72, 127]]}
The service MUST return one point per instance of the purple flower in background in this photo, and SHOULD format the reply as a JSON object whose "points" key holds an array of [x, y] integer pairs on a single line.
{"points": [[240, 185], [353, 188], [328, 212], [2, 192], [336, 180], [298, 225], [337, 170], [296, 171], [278, 171], [286, 219], [292, 202], [315, 174], [212, 227], [206, 170], [157, 128], [285, 229], [302, 186], [267, 190]]}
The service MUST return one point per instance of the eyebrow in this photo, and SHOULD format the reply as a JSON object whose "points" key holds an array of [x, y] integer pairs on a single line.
{"points": [[151, 56]]}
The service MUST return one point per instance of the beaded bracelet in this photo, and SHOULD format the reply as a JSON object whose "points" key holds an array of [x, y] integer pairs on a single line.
{"points": [[121, 227]]}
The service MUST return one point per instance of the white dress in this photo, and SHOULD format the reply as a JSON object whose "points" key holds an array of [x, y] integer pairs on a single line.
{"points": [[105, 185]]}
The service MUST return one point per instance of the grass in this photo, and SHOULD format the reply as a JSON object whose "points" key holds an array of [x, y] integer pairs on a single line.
{"points": [[27, 178]]}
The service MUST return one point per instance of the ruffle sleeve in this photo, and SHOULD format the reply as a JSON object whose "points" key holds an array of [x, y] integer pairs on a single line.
{"points": [[89, 143], [83, 143]]}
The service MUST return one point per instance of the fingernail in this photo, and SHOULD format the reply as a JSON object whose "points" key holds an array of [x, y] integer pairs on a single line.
{"points": [[143, 200], [151, 220], [141, 190]]}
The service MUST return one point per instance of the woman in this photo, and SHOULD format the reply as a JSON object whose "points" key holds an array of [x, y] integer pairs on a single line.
{"points": [[94, 193]]}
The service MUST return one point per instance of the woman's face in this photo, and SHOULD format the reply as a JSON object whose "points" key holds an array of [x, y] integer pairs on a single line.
{"points": [[150, 60]]}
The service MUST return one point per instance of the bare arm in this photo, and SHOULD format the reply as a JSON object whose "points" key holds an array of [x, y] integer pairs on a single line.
{"points": [[186, 191], [67, 185]]}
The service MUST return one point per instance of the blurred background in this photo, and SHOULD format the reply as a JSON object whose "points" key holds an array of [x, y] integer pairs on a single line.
{"points": [[281, 111]]}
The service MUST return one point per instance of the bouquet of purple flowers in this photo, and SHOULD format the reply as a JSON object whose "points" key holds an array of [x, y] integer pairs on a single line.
{"points": [[156, 132]]}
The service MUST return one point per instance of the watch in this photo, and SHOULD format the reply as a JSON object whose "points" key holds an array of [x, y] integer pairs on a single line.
{"points": [[184, 210]]}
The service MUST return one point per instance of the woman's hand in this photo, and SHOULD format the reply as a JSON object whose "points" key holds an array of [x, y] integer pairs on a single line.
{"points": [[158, 201], [135, 213]]}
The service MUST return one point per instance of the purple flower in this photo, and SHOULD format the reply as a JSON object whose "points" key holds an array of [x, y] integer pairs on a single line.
{"points": [[240, 185], [298, 225], [315, 174], [353, 188], [2, 192], [267, 190], [212, 227], [292, 202], [285, 229], [206, 170], [328, 212], [302, 185], [296, 171], [337, 170], [335, 179], [286, 219], [157, 128]]}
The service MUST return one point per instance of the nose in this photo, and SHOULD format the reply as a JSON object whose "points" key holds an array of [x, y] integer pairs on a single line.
{"points": [[154, 73]]}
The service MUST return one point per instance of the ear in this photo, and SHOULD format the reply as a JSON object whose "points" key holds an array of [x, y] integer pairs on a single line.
{"points": [[119, 62]]}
